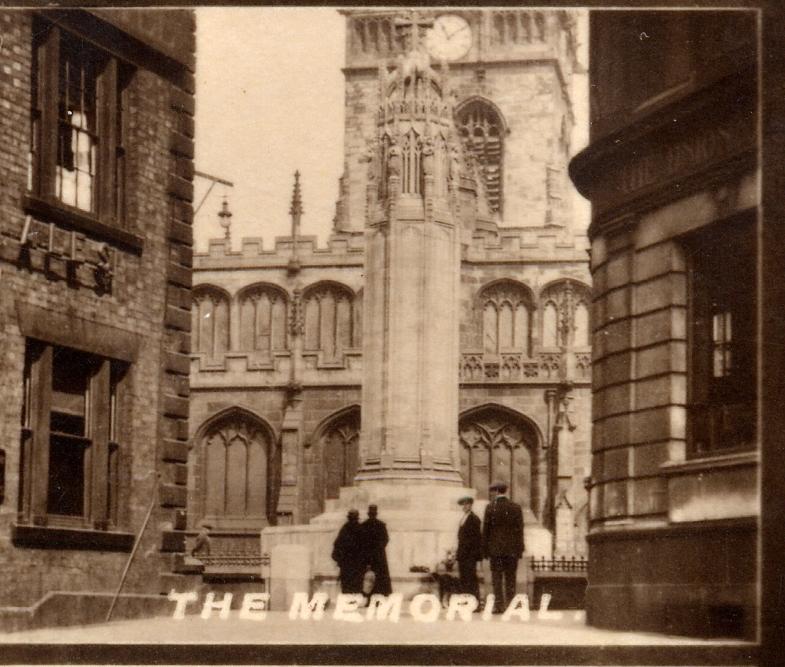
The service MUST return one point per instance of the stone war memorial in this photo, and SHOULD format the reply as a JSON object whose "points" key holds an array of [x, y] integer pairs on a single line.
{"points": [[438, 343]]}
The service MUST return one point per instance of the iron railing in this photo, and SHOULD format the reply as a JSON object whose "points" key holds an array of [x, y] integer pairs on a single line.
{"points": [[563, 564]]}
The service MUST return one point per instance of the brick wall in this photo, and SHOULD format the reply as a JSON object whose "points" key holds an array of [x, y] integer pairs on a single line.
{"points": [[137, 304]]}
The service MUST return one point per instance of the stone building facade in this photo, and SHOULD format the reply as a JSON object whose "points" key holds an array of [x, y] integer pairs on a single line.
{"points": [[277, 361], [672, 175], [95, 256]]}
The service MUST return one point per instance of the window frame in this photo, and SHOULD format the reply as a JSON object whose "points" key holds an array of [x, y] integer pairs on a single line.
{"points": [[467, 127], [721, 280], [108, 217], [101, 478]]}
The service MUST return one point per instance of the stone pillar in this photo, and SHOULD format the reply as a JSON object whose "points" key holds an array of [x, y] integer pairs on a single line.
{"points": [[290, 573]]}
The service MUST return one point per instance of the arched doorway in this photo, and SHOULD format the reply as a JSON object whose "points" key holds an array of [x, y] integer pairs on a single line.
{"points": [[235, 471], [498, 444], [339, 443]]}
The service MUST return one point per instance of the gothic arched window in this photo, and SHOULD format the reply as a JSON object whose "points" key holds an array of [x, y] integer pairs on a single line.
{"points": [[330, 320], [236, 477], [506, 308], [210, 321], [263, 313], [482, 130], [498, 445], [339, 442]]}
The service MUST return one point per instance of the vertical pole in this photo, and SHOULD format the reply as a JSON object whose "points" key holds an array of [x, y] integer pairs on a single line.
{"points": [[131, 556]]}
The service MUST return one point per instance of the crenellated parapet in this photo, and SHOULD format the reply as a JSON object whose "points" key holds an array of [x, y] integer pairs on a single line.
{"points": [[342, 248], [503, 244]]}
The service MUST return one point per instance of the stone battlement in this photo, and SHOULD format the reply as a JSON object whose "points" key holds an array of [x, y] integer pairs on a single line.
{"points": [[546, 243], [344, 248], [502, 244]]}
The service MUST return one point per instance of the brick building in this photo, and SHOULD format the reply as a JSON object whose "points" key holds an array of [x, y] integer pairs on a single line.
{"points": [[672, 175], [95, 255], [277, 358]]}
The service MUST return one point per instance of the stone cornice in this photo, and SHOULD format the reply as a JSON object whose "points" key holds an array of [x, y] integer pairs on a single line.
{"points": [[703, 136]]}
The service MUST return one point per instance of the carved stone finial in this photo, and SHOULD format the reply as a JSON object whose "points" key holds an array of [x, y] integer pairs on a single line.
{"points": [[297, 201], [296, 211]]}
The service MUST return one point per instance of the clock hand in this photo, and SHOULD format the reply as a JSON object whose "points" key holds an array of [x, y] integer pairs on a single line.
{"points": [[455, 32]]}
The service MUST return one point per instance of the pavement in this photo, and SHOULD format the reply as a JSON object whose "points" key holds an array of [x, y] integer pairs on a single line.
{"points": [[278, 628], [279, 640]]}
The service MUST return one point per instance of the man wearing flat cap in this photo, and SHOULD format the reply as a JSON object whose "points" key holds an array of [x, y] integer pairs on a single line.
{"points": [[469, 548], [502, 538]]}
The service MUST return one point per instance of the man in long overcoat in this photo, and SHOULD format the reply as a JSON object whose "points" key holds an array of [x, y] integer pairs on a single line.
{"points": [[375, 538], [469, 548], [502, 533], [349, 553]]}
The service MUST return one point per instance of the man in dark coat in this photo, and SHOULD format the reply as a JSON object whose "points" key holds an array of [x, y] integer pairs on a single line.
{"points": [[375, 538], [502, 536], [349, 553], [469, 548]]}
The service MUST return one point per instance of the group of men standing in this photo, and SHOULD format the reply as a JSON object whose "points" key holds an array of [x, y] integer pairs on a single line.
{"points": [[360, 548], [499, 539]]}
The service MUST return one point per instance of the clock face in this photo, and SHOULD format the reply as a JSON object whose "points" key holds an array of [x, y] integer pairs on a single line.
{"points": [[450, 38]]}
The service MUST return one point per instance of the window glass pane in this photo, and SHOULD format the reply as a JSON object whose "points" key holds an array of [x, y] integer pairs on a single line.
{"points": [[66, 476], [722, 381], [70, 381], [490, 326], [77, 111]]}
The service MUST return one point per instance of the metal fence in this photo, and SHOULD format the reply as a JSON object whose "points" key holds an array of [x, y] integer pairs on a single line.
{"points": [[563, 564]]}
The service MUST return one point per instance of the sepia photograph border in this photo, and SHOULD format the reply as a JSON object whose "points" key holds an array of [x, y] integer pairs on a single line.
{"points": [[769, 648]]}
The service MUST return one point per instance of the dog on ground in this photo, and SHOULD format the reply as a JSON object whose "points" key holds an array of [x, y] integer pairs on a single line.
{"points": [[444, 578]]}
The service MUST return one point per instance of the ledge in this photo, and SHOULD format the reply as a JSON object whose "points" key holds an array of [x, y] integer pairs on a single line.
{"points": [[50, 537], [730, 460], [72, 218], [688, 528], [71, 330]]}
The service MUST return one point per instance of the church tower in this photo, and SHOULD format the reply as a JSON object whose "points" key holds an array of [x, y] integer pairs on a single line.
{"points": [[511, 72]]}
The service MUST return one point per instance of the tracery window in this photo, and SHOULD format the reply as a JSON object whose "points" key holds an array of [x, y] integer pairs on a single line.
{"points": [[210, 321], [497, 446], [482, 130], [330, 320], [263, 313], [238, 459], [340, 452], [507, 309]]}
